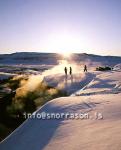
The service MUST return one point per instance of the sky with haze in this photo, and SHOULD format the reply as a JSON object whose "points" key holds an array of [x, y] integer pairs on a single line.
{"points": [[82, 26]]}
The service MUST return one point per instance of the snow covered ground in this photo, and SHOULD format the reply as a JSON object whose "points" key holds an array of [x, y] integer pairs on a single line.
{"points": [[103, 83], [99, 100]]}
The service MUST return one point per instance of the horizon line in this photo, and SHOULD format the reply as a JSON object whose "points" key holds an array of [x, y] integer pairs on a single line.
{"points": [[57, 53]]}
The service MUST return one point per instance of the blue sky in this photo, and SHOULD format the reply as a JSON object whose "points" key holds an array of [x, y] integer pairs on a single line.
{"points": [[89, 26]]}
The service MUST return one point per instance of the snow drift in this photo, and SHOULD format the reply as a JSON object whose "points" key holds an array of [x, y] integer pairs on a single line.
{"points": [[75, 134]]}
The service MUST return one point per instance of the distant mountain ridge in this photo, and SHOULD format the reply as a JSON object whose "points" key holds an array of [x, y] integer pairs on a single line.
{"points": [[53, 58], [29, 58]]}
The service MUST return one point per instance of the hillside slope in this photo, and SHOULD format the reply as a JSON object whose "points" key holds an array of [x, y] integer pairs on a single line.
{"points": [[97, 128]]}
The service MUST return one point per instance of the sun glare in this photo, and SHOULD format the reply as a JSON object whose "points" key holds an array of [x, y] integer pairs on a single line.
{"points": [[66, 54], [64, 43]]}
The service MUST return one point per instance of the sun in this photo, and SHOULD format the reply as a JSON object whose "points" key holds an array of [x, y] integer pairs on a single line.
{"points": [[66, 54], [64, 43]]}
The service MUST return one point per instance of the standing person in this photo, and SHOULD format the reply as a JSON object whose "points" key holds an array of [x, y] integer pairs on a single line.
{"points": [[85, 68], [70, 71], [65, 69], [71, 75]]}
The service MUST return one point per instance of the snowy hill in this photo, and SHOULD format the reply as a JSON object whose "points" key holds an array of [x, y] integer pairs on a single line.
{"points": [[117, 67], [97, 127], [96, 59], [53, 58], [107, 82], [29, 58]]}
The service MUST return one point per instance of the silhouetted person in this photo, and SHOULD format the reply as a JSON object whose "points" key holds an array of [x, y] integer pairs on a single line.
{"points": [[85, 68], [70, 71], [65, 69], [71, 76]]}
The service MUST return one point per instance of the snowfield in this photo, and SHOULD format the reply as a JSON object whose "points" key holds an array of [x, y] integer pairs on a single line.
{"points": [[105, 83], [99, 98]]}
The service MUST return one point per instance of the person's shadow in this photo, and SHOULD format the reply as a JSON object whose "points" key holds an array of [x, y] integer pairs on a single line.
{"points": [[66, 78], [71, 79]]}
